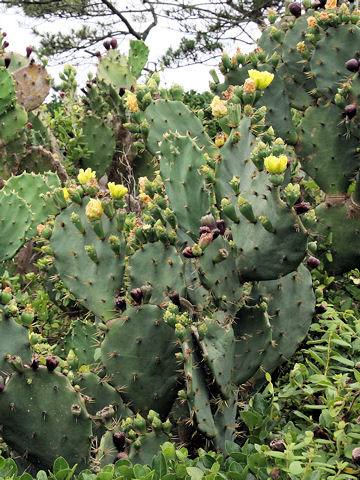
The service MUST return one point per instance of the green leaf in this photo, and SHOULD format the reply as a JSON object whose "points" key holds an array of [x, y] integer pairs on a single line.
{"points": [[60, 464], [195, 473], [295, 468]]}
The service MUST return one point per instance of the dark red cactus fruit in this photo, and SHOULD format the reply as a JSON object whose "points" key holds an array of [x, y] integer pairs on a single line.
{"points": [[204, 229], [355, 454], [5, 44], [295, 9], [62, 94], [352, 65], [51, 363], [312, 263], [188, 252], [113, 43], [35, 361], [215, 233], [29, 51], [221, 226], [122, 91], [121, 456], [120, 302], [277, 445], [119, 440], [97, 54], [107, 45], [319, 309], [7, 62], [350, 110], [274, 474], [208, 221], [4, 34], [301, 207], [137, 295]]}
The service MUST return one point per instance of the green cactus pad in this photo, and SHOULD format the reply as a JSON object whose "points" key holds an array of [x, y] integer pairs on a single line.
{"points": [[92, 283], [114, 70], [7, 90], [342, 221], [17, 61], [12, 124], [259, 256], [235, 162], [221, 279], [150, 446], [290, 310], [225, 421], [13, 226], [37, 419], [164, 116], [30, 187], [159, 266], [139, 356], [338, 45], [198, 396], [100, 141], [217, 348], [14, 340], [323, 143], [180, 162], [138, 56], [252, 332], [82, 340]]}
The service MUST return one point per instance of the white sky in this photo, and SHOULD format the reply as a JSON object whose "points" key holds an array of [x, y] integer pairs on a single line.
{"points": [[197, 77]]}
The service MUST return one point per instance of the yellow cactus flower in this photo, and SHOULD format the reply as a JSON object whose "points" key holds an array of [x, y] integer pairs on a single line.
{"points": [[85, 175], [40, 228], [261, 79], [249, 86], [275, 164], [131, 103], [117, 191], [220, 139], [301, 47], [218, 107], [142, 183], [66, 193], [324, 16], [94, 209], [330, 4], [311, 21]]}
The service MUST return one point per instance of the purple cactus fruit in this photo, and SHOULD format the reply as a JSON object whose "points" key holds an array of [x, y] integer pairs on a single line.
{"points": [[204, 229], [122, 91], [5, 44], [121, 456], [97, 54], [319, 309], [355, 454], [301, 207], [221, 226], [350, 110], [215, 233], [7, 62], [277, 445], [4, 34], [119, 440], [352, 65], [312, 263], [120, 302], [274, 474], [35, 361], [113, 43], [107, 44], [137, 295], [208, 221], [295, 9], [188, 252], [29, 51], [51, 363]]}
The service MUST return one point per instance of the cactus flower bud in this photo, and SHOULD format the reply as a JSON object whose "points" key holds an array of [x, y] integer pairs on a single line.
{"points": [[29, 51], [113, 43], [94, 210], [137, 295], [208, 221], [221, 255], [205, 240], [106, 44]]}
